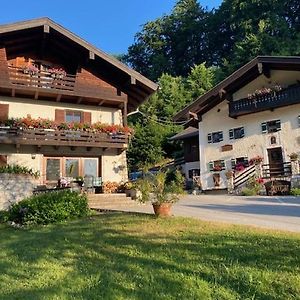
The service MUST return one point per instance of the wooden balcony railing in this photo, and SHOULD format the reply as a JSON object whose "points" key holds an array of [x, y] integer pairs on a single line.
{"points": [[277, 170], [48, 137], [41, 79], [245, 106]]}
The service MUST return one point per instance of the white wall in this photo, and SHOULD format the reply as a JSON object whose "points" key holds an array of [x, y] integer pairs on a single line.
{"points": [[254, 143], [19, 108]]}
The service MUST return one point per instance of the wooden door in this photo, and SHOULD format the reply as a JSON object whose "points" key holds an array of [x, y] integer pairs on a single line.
{"points": [[276, 162]]}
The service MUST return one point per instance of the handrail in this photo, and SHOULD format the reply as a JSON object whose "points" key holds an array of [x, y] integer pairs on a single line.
{"points": [[62, 137], [41, 79], [288, 96], [244, 176]]}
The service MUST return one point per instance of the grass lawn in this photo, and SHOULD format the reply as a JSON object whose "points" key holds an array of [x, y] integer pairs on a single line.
{"points": [[127, 256]]}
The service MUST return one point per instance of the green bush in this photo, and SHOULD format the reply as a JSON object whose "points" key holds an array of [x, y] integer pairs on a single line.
{"points": [[248, 191], [17, 169], [49, 208], [4, 216], [295, 191]]}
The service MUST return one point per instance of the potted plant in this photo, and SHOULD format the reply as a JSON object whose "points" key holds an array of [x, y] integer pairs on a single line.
{"points": [[294, 156], [160, 191]]}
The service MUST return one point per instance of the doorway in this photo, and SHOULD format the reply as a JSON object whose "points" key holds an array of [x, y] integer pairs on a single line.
{"points": [[276, 166]]}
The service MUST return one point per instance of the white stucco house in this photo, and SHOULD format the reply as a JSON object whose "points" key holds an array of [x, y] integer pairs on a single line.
{"points": [[252, 114]]}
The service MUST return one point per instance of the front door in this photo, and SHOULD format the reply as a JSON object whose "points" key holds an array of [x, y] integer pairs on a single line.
{"points": [[276, 162]]}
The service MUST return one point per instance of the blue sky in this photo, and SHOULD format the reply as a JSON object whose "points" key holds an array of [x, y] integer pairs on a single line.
{"points": [[108, 24]]}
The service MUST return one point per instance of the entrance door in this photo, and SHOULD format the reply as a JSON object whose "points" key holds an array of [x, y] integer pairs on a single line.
{"points": [[276, 162]]}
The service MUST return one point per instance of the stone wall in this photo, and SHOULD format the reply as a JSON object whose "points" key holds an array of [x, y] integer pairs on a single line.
{"points": [[14, 188]]}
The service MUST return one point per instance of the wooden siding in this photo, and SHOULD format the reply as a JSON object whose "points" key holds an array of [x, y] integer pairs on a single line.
{"points": [[4, 108], [4, 76], [191, 149]]}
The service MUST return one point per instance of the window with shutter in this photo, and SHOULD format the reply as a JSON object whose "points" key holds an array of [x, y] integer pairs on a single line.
{"points": [[233, 163], [264, 127], [209, 138], [211, 166], [236, 133]]}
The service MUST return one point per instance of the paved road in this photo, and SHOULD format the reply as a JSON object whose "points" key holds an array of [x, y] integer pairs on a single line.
{"points": [[281, 213]]}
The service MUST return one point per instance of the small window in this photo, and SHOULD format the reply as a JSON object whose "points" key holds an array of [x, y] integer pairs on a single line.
{"points": [[239, 163], [73, 116], [217, 165], [271, 126], [215, 137], [194, 172], [236, 133]]}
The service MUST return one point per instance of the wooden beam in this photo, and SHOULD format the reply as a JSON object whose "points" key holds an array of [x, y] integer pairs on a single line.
{"points": [[79, 100], [36, 95], [91, 55], [13, 92], [58, 98], [125, 113], [260, 68], [46, 28], [101, 102], [132, 80]]}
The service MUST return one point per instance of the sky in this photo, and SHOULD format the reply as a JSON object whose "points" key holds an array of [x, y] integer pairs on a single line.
{"points": [[110, 25]]}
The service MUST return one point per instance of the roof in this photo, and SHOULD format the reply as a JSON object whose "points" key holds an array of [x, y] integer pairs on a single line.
{"points": [[185, 134], [245, 74], [138, 87]]}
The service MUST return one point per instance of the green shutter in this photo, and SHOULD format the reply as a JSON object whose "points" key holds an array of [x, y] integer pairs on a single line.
{"points": [[278, 125], [211, 166], [264, 127], [221, 136], [231, 134], [223, 164], [233, 163], [209, 138], [242, 132]]}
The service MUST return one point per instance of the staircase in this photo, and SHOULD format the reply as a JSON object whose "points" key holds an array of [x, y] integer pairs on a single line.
{"points": [[110, 201], [241, 178]]}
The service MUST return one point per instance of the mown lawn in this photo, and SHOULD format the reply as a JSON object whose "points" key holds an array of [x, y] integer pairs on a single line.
{"points": [[127, 256]]}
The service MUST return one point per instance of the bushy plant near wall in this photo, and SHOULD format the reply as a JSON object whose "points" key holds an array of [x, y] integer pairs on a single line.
{"points": [[17, 169], [49, 208]]}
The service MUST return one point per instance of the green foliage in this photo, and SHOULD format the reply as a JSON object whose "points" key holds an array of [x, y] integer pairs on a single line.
{"points": [[248, 192], [4, 216], [49, 208], [157, 189], [226, 37], [17, 169], [295, 191]]}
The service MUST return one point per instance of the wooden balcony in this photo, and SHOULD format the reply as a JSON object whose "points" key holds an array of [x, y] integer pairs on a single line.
{"points": [[46, 80], [48, 137], [270, 101]]}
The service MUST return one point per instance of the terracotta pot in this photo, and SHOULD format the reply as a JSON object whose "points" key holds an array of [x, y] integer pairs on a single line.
{"points": [[162, 210]]}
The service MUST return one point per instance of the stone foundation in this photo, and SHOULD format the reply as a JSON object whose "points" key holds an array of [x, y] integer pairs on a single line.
{"points": [[14, 188]]}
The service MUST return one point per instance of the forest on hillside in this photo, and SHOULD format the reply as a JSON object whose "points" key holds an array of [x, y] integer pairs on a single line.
{"points": [[190, 50]]}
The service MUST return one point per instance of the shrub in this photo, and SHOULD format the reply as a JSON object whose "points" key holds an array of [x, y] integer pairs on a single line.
{"points": [[248, 192], [295, 191], [17, 169], [4, 216], [49, 208]]}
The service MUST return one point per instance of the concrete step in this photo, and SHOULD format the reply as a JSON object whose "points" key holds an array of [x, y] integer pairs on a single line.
{"points": [[110, 201]]}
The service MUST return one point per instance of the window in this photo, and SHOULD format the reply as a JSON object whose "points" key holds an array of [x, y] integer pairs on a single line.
{"points": [[52, 169], [215, 137], [239, 163], [73, 116], [217, 165], [271, 126], [236, 133], [194, 172]]}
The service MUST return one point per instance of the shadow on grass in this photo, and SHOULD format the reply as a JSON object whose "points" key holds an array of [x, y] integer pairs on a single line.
{"points": [[122, 256]]}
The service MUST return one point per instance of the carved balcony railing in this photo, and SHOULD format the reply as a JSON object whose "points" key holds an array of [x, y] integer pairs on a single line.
{"points": [[41, 79], [246, 106], [48, 137]]}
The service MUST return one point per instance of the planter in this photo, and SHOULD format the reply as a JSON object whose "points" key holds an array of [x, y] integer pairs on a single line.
{"points": [[217, 179], [162, 210]]}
